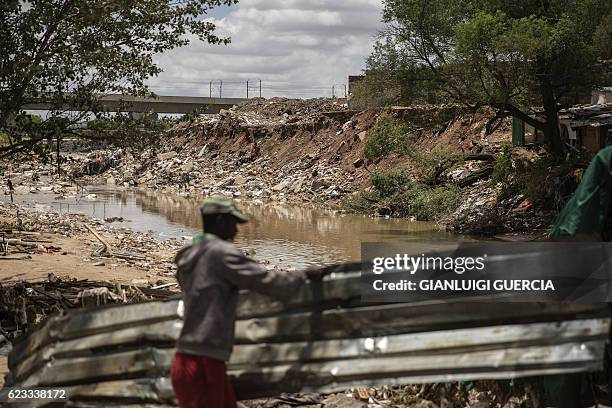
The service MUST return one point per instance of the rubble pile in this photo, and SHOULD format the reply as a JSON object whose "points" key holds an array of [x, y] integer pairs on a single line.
{"points": [[470, 394], [296, 151], [288, 109], [24, 304], [246, 151]]}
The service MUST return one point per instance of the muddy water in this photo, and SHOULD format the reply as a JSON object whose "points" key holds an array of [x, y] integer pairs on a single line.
{"points": [[285, 235]]}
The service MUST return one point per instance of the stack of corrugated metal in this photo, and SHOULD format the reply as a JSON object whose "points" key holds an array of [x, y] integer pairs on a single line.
{"points": [[322, 340]]}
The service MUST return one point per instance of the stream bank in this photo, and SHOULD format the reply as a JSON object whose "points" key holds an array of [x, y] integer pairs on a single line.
{"points": [[440, 163]]}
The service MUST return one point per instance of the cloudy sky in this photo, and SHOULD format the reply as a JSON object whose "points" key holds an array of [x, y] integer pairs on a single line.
{"points": [[298, 48]]}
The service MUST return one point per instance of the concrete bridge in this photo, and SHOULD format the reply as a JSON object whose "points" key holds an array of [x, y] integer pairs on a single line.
{"points": [[160, 104]]}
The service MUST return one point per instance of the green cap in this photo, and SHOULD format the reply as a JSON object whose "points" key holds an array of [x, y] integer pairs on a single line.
{"points": [[222, 205]]}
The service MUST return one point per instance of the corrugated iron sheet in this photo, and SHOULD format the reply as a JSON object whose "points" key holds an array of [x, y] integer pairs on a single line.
{"points": [[123, 354]]}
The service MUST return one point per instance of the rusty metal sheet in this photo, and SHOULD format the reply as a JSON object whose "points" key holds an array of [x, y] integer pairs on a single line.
{"points": [[497, 337], [334, 374], [146, 362], [427, 343], [149, 390]]}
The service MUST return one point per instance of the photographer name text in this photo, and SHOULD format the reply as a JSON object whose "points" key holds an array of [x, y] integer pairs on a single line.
{"points": [[483, 285]]}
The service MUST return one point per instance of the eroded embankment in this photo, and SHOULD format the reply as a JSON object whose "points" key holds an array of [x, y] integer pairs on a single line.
{"points": [[432, 163]]}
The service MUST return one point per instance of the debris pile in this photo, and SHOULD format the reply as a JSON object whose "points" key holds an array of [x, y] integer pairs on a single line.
{"points": [[249, 150], [24, 230], [471, 394], [300, 151], [14, 244], [25, 304]]}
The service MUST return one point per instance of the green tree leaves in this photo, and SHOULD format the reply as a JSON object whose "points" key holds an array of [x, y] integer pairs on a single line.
{"points": [[70, 51], [513, 55]]}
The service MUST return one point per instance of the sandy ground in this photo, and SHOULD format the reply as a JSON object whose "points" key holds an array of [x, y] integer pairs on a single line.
{"points": [[77, 263]]}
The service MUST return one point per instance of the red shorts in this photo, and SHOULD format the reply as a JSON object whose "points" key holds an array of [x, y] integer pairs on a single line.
{"points": [[201, 382]]}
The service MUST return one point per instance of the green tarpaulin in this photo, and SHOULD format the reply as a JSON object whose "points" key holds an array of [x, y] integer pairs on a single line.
{"points": [[587, 210]]}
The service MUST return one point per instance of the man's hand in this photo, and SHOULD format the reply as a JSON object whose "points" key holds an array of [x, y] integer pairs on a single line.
{"points": [[315, 273]]}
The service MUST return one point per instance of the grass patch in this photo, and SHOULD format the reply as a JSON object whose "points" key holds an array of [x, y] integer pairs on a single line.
{"points": [[401, 196], [4, 139], [432, 204]]}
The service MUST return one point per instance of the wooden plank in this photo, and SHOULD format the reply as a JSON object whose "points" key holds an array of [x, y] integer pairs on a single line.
{"points": [[402, 318], [153, 334]]}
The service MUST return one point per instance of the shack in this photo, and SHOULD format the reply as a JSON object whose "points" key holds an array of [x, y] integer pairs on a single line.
{"points": [[587, 127], [584, 127]]}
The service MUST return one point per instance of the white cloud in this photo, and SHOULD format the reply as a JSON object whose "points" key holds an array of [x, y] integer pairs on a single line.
{"points": [[298, 48]]}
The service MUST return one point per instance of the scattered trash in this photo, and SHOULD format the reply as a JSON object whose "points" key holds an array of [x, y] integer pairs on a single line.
{"points": [[28, 303]]}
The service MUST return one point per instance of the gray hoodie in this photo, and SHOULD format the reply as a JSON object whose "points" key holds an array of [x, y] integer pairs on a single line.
{"points": [[211, 273]]}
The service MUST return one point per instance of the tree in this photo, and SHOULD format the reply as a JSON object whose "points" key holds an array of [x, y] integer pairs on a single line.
{"points": [[67, 52], [512, 55], [391, 78]]}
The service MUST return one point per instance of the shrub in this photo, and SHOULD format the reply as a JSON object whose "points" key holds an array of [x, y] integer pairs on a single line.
{"points": [[373, 93], [405, 197], [363, 202], [502, 169], [389, 182], [428, 165], [549, 181], [388, 135], [432, 204], [102, 123]]}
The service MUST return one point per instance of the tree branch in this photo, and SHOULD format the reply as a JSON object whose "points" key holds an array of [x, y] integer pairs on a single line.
{"points": [[516, 112]]}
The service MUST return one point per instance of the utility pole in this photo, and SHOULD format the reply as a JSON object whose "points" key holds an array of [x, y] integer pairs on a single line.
{"points": [[211, 88], [333, 91], [247, 89], [220, 88], [260, 88]]}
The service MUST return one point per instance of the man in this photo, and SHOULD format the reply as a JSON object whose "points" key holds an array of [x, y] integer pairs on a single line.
{"points": [[210, 273]]}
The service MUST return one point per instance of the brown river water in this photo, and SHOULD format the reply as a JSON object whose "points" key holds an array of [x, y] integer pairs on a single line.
{"points": [[286, 235]]}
